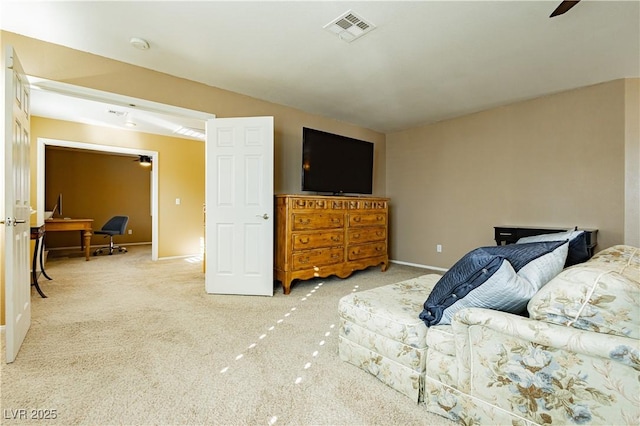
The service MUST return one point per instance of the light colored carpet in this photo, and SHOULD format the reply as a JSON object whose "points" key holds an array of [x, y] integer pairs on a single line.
{"points": [[124, 340]]}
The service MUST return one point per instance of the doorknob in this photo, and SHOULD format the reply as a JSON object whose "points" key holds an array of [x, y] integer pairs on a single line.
{"points": [[12, 221], [264, 216]]}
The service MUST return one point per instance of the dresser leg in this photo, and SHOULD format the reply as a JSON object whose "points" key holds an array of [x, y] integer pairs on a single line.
{"points": [[286, 285]]}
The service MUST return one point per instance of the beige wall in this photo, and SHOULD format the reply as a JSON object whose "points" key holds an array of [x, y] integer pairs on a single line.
{"points": [[553, 161]]}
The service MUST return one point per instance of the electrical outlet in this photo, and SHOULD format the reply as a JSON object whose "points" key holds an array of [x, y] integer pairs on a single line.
{"points": [[439, 248], [130, 231]]}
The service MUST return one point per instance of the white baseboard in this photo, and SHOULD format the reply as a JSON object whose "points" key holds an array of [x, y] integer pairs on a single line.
{"points": [[417, 265], [187, 256]]}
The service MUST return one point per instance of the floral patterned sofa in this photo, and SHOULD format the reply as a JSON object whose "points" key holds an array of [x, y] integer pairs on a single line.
{"points": [[574, 360]]}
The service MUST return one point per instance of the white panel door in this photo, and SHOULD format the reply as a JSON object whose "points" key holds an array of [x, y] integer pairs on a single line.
{"points": [[16, 209], [239, 205]]}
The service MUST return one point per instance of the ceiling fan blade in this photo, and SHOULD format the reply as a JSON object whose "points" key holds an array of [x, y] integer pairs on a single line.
{"points": [[563, 8]]}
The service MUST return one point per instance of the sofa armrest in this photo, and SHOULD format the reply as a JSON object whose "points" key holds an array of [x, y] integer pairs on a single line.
{"points": [[547, 373], [516, 337]]}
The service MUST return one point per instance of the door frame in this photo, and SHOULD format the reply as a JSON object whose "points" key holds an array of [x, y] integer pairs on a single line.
{"points": [[42, 143]]}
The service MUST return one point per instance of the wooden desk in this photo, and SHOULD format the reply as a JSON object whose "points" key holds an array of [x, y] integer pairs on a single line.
{"points": [[82, 225]]}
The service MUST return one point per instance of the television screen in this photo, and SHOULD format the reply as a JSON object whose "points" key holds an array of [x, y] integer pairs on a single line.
{"points": [[336, 164]]}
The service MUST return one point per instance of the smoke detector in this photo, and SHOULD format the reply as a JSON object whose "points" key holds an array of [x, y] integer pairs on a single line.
{"points": [[349, 26], [139, 43]]}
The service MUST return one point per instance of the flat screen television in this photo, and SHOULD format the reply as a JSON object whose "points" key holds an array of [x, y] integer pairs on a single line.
{"points": [[336, 164]]}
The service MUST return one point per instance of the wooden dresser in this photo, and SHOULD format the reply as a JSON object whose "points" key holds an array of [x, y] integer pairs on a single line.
{"points": [[318, 236]]}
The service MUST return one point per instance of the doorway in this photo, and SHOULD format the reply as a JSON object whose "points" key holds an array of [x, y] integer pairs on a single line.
{"points": [[42, 143]]}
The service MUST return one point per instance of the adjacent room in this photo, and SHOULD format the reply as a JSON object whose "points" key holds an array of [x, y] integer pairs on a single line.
{"points": [[98, 185], [331, 213]]}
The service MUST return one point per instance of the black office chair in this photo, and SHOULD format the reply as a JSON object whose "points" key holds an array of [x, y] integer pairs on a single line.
{"points": [[114, 226]]}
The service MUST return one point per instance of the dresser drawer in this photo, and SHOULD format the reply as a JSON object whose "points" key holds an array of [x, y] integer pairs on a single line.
{"points": [[304, 221], [365, 235], [321, 257], [304, 241], [306, 203], [367, 250], [367, 219]]}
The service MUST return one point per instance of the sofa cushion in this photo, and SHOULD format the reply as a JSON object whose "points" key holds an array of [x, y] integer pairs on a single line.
{"points": [[440, 338], [391, 310], [380, 332], [578, 250], [601, 295], [497, 277], [401, 353]]}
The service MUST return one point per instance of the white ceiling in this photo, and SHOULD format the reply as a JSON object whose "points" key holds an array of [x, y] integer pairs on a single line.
{"points": [[424, 62]]}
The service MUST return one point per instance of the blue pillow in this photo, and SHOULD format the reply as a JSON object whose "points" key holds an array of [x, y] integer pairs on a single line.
{"points": [[578, 250], [496, 277]]}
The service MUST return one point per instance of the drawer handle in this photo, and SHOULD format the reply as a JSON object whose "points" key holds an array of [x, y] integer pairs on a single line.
{"points": [[356, 219], [304, 221], [335, 220], [303, 240], [379, 233], [304, 260], [335, 238], [335, 256], [380, 218], [378, 248], [356, 236], [355, 252]]}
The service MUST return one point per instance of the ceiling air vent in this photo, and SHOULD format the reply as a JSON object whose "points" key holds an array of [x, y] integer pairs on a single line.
{"points": [[349, 26]]}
